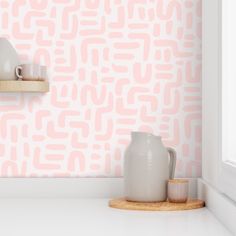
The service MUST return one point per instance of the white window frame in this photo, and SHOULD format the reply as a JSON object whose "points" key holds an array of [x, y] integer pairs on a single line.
{"points": [[221, 174]]}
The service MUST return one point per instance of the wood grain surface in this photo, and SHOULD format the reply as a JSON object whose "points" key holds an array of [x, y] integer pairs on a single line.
{"points": [[121, 203], [23, 86]]}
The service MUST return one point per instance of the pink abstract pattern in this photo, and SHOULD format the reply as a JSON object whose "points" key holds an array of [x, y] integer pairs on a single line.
{"points": [[115, 66]]}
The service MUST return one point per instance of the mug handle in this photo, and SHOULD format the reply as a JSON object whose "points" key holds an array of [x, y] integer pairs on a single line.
{"points": [[18, 69], [172, 162]]}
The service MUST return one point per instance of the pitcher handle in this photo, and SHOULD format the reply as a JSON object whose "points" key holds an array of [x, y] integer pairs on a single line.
{"points": [[17, 71], [172, 162]]}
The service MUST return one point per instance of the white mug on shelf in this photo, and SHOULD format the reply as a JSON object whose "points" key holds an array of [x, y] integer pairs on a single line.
{"points": [[31, 72], [43, 73]]}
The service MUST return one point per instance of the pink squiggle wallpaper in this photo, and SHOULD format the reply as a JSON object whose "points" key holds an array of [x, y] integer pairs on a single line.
{"points": [[115, 66]]}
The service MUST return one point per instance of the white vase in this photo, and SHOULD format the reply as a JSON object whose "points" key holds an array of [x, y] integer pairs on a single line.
{"points": [[8, 60], [147, 168]]}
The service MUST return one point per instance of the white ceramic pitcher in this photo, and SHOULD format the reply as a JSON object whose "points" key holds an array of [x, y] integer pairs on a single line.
{"points": [[8, 60], [147, 168]]}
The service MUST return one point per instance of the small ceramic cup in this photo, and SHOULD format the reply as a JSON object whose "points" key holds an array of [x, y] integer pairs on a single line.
{"points": [[31, 72], [178, 190], [43, 73]]}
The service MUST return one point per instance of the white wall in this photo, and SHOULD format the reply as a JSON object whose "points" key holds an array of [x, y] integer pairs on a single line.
{"points": [[210, 92]]}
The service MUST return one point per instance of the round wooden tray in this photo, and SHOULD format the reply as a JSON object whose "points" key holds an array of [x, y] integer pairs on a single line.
{"points": [[121, 203]]}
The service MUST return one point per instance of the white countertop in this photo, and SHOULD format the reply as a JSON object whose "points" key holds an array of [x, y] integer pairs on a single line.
{"points": [[89, 217]]}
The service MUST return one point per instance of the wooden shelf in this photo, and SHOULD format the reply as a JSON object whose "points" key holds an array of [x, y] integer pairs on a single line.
{"points": [[24, 86]]}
